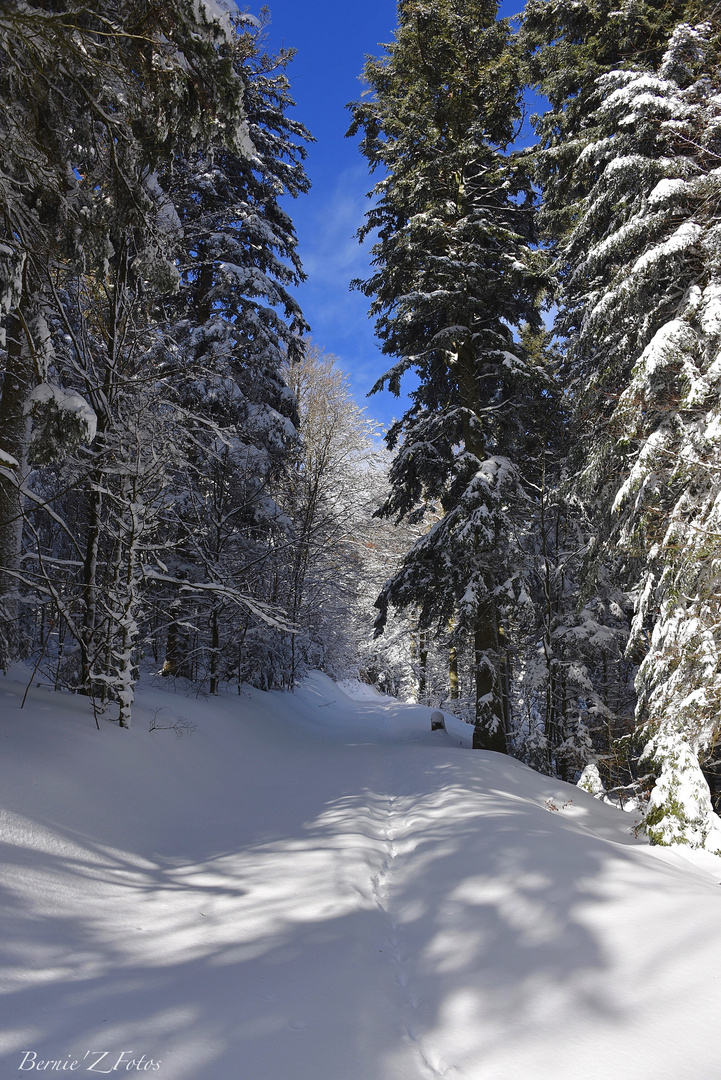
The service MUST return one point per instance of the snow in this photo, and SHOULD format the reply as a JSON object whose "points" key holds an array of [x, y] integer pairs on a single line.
{"points": [[166, 214], [686, 236], [590, 781], [11, 280], [7, 461], [68, 402], [510, 360], [317, 886], [666, 190], [710, 319], [642, 480], [218, 11]]}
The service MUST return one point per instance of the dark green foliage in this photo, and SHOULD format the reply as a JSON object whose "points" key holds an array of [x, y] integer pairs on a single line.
{"points": [[147, 265], [566, 47], [455, 283]]}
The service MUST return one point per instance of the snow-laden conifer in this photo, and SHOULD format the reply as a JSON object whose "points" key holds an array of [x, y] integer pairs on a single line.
{"points": [[158, 95], [234, 324], [640, 315], [453, 277]]}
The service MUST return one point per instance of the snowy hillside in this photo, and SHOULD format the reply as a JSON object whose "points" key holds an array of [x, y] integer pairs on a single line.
{"points": [[317, 887]]}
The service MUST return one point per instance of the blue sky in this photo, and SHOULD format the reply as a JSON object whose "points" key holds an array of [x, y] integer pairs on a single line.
{"points": [[332, 39]]}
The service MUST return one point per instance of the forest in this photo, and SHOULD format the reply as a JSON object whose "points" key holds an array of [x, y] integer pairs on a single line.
{"points": [[189, 490]]}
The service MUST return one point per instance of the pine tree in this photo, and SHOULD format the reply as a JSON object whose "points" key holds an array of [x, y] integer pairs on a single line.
{"points": [[94, 96], [454, 275], [235, 325], [661, 279], [636, 252], [567, 47], [168, 187]]}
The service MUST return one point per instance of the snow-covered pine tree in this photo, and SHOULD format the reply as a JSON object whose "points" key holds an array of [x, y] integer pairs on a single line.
{"points": [[87, 90], [640, 311], [35, 183], [159, 86], [454, 276], [567, 46], [574, 688], [663, 429], [231, 328]]}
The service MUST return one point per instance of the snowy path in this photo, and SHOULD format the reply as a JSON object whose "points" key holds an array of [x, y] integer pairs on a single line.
{"points": [[314, 888]]}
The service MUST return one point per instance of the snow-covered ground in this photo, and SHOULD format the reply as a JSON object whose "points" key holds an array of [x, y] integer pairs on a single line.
{"points": [[317, 887]]}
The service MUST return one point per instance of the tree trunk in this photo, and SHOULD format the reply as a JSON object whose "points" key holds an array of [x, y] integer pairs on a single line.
{"points": [[550, 726], [505, 677], [15, 426], [177, 645], [214, 650], [453, 672], [90, 579], [423, 667], [473, 436], [489, 731]]}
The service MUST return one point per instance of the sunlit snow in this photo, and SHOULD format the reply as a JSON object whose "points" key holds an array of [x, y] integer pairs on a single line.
{"points": [[317, 887]]}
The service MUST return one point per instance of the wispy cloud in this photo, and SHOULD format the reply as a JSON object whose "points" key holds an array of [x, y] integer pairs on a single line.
{"points": [[332, 257], [327, 230]]}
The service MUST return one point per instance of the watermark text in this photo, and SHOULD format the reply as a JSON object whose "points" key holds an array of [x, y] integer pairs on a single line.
{"points": [[92, 1061]]}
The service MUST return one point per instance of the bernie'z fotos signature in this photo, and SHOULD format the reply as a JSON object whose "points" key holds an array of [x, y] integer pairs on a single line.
{"points": [[94, 1061]]}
